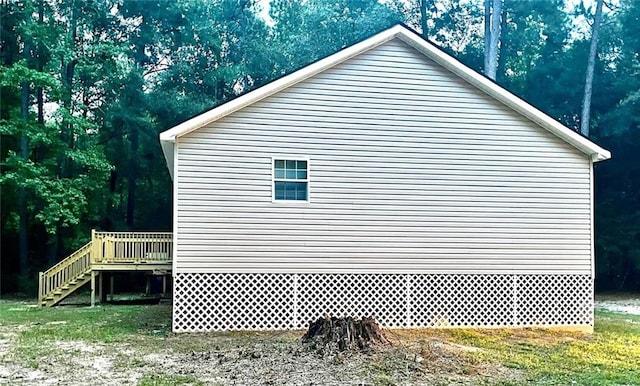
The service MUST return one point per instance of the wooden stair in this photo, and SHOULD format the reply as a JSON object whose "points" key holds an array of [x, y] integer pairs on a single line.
{"points": [[65, 277]]}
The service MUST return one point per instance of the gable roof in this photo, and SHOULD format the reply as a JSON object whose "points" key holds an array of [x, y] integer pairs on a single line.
{"points": [[583, 144]]}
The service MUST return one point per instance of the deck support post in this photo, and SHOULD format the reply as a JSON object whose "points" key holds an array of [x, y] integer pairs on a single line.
{"points": [[103, 285], [101, 292], [111, 286], [147, 290], [164, 285], [93, 288]]}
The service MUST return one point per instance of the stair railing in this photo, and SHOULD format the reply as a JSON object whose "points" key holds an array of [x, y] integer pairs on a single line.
{"points": [[65, 271], [106, 248]]}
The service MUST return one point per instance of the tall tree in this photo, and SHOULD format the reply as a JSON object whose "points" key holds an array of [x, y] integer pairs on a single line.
{"points": [[617, 203], [51, 159], [24, 154], [588, 83], [537, 48], [487, 34], [305, 31], [102, 78], [424, 7], [493, 50], [455, 25]]}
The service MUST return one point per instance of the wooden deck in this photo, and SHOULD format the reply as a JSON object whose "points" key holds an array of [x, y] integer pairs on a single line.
{"points": [[107, 252]]}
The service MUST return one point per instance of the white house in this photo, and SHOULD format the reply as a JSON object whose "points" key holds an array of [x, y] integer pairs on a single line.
{"points": [[386, 180]]}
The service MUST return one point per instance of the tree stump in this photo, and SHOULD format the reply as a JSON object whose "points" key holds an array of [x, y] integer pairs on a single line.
{"points": [[345, 334]]}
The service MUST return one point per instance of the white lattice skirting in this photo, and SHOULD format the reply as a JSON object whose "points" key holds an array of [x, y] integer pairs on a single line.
{"points": [[213, 302]]}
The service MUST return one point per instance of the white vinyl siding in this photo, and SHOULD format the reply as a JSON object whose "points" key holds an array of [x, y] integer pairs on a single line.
{"points": [[414, 171]]}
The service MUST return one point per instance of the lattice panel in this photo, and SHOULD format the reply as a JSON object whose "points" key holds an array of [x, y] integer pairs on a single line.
{"points": [[211, 302], [545, 300], [461, 300], [383, 297], [206, 302]]}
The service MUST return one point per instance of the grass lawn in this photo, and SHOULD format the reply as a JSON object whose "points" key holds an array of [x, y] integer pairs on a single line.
{"points": [[132, 344], [611, 356]]}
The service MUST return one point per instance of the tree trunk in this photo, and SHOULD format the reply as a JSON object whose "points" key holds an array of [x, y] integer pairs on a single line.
{"points": [[423, 18], [133, 177], [23, 241], [588, 83], [23, 235], [40, 67], [494, 41], [487, 33], [330, 334], [39, 151], [68, 72], [502, 60]]}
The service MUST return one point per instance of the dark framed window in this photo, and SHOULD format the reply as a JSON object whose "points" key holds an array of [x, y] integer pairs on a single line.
{"points": [[290, 180]]}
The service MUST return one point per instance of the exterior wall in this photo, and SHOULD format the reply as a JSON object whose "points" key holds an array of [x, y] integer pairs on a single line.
{"points": [[412, 170]]}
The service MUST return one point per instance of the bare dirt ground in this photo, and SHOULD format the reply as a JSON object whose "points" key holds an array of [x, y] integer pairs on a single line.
{"points": [[263, 362], [240, 359], [155, 357]]}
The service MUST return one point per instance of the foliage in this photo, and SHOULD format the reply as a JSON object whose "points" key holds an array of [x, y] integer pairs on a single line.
{"points": [[618, 128], [87, 86]]}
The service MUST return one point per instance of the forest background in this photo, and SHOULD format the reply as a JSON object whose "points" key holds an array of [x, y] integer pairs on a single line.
{"points": [[87, 86]]}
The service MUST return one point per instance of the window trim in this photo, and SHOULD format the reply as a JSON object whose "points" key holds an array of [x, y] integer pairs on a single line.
{"points": [[273, 179]]}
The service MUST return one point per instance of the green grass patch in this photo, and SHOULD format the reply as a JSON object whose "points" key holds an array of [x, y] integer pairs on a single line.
{"points": [[92, 324], [168, 380], [38, 327], [611, 356]]}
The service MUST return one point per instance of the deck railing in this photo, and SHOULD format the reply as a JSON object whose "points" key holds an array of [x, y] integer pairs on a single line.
{"points": [[135, 247], [104, 248], [65, 271]]}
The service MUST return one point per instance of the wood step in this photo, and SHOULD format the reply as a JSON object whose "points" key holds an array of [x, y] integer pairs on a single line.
{"points": [[62, 291]]}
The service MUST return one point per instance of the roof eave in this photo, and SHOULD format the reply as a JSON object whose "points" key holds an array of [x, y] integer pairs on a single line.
{"points": [[167, 146], [484, 84]]}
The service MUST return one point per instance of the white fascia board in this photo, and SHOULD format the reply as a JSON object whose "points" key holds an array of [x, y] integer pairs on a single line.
{"points": [[595, 152]]}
